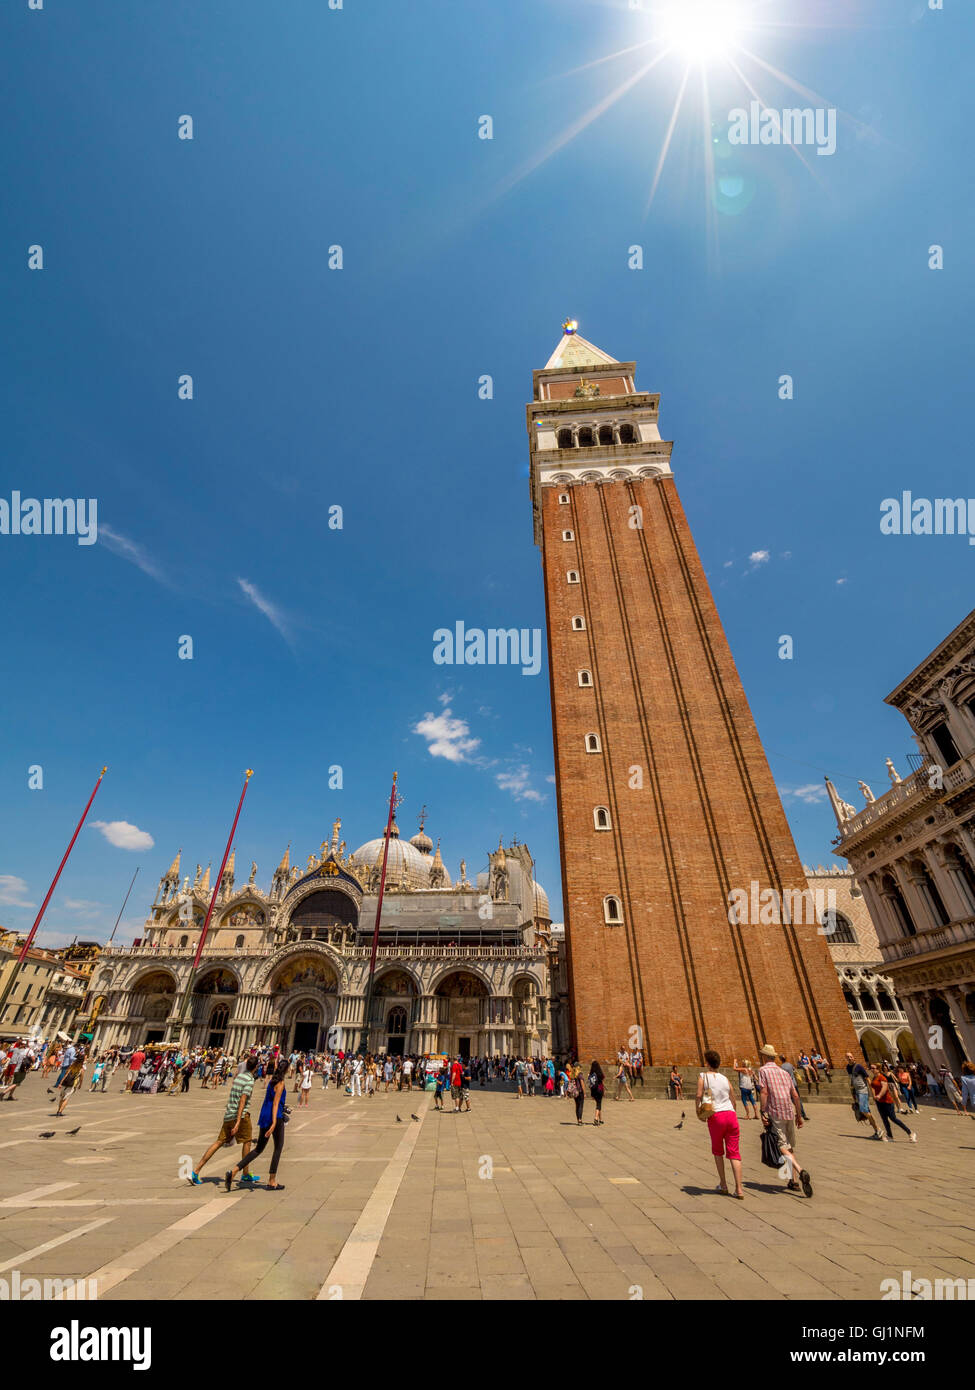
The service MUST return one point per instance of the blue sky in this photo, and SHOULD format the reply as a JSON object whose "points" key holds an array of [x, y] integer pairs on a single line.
{"points": [[358, 387]]}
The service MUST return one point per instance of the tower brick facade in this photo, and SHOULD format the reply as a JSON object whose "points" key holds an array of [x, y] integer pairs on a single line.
{"points": [[670, 823]]}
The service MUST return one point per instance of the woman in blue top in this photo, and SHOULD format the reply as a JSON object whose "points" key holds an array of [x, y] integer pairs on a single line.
{"points": [[271, 1123]]}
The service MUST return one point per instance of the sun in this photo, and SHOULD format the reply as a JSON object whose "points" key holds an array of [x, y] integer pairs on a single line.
{"points": [[703, 31]]}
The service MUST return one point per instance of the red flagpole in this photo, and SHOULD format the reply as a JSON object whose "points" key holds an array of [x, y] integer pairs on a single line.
{"points": [[379, 910], [50, 891], [213, 899]]}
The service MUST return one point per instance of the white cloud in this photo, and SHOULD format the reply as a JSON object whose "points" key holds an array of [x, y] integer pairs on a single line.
{"points": [[81, 905], [518, 783], [758, 557], [550, 777], [123, 835], [264, 605], [445, 698], [131, 550], [728, 564], [810, 793], [13, 891], [841, 581], [446, 736]]}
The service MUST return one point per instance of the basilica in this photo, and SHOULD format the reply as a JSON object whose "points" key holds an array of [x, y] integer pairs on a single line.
{"points": [[462, 967]]}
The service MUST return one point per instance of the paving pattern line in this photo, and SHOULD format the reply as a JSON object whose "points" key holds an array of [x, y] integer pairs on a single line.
{"points": [[354, 1261], [26, 1255], [110, 1275], [26, 1199]]}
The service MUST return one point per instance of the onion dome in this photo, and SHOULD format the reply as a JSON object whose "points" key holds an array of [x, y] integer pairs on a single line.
{"points": [[542, 908], [421, 840]]}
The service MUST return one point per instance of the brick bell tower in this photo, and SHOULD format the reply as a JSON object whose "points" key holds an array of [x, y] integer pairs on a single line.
{"points": [[666, 802]]}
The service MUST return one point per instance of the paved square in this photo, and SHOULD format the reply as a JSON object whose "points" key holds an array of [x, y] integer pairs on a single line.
{"points": [[511, 1201]]}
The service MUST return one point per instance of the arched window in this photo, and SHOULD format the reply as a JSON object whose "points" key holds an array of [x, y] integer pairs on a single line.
{"points": [[627, 434], [182, 942], [945, 744], [568, 535], [565, 439], [592, 743], [572, 577], [578, 624], [964, 877], [612, 911], [890, 890], [396, 1020], [587, 437], [606, 434], [600, 818], [838, 929], [239, 942], [585, 678]]}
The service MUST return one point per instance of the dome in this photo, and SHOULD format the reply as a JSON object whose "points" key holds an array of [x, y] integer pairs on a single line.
{"points": [[406, 867], [542, 908], [422, 842]]}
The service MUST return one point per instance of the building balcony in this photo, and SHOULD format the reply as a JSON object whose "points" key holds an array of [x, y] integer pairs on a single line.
{"points": [[912, 789], [472, 952], [879, 1016], [960, 933]]}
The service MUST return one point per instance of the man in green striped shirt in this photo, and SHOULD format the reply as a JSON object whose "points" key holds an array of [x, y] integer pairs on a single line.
{"points": [[236, 1123]]}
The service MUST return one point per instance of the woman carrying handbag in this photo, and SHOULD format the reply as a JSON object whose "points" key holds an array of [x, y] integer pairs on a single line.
{"points": [[575, 1090], [715, 1105]]}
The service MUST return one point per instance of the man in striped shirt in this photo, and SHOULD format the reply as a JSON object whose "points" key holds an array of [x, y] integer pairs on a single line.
{"points": [[782, 1109]]}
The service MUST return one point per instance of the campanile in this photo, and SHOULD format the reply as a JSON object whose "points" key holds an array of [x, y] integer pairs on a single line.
{"points": [[667, 807]]}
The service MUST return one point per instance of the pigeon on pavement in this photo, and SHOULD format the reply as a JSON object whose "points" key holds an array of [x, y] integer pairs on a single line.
{"points": [[398, 1120], [682, 1117], [74, 1131], [47, 1134], [415, 1117]]}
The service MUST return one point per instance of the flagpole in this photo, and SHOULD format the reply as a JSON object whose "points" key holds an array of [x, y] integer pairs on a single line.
{"points": [[177, 1027], [37, 920], [393, 803]]}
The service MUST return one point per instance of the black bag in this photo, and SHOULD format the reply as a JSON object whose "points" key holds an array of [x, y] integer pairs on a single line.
{"points": [[771, 1149]]}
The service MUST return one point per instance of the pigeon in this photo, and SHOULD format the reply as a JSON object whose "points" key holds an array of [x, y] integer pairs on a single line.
{"points": [[74, 1131], [415, 1117], [398, 1120], [47, 1134], [683, 1115]]}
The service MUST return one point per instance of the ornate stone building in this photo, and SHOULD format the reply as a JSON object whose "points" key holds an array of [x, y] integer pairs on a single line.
{"points": [[913, 851], [461, 967], [881, 1023]]}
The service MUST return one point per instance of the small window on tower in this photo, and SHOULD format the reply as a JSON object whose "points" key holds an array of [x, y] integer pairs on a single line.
{"points": [[563, 499], [585, 678], [600, 817], [606, 434], [612, 911], [568, 535], [572, 577], [578, 624], [627, 434], [565, 439], [587, 437], [239, 942], [592, 743]]}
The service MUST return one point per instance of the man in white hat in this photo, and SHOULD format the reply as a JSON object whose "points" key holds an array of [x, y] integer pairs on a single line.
{"points": [[782, 1110]]}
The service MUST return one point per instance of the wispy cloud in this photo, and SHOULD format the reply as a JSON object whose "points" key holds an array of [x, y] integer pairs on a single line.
{"points": [[132, 551], [447, 737], [758, 557], [264, 605], [518, 783], [123, 835], [809, 794], [81, 905], [13, 891]]}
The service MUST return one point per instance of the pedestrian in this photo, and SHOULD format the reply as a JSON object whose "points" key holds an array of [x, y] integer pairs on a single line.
{"points": [[951, 1091], [884, 1095], [306, 1079], [746, 1085], [520, 1077], [597, 1088], [97, 1075], [70, 1079], [576, 1090], [465, 1083], [905, 1083], [676, 1084], [860, 1093], [271, 1123], [408, 1073], [722, 1122], [781, 1110], [236, 1125], [623, 1074], [456, 1083]]}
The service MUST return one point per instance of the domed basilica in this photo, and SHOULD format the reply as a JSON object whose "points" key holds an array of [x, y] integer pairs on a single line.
{"points": [[462, 967]]}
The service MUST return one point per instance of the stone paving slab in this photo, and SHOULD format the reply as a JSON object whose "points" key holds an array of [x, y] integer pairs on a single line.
{"points": [[510, 1202]]}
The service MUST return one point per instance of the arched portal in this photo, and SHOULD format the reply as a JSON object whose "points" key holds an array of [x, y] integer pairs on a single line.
{"points": [[304, 1026], [461, 1003], [874, 1046]]}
